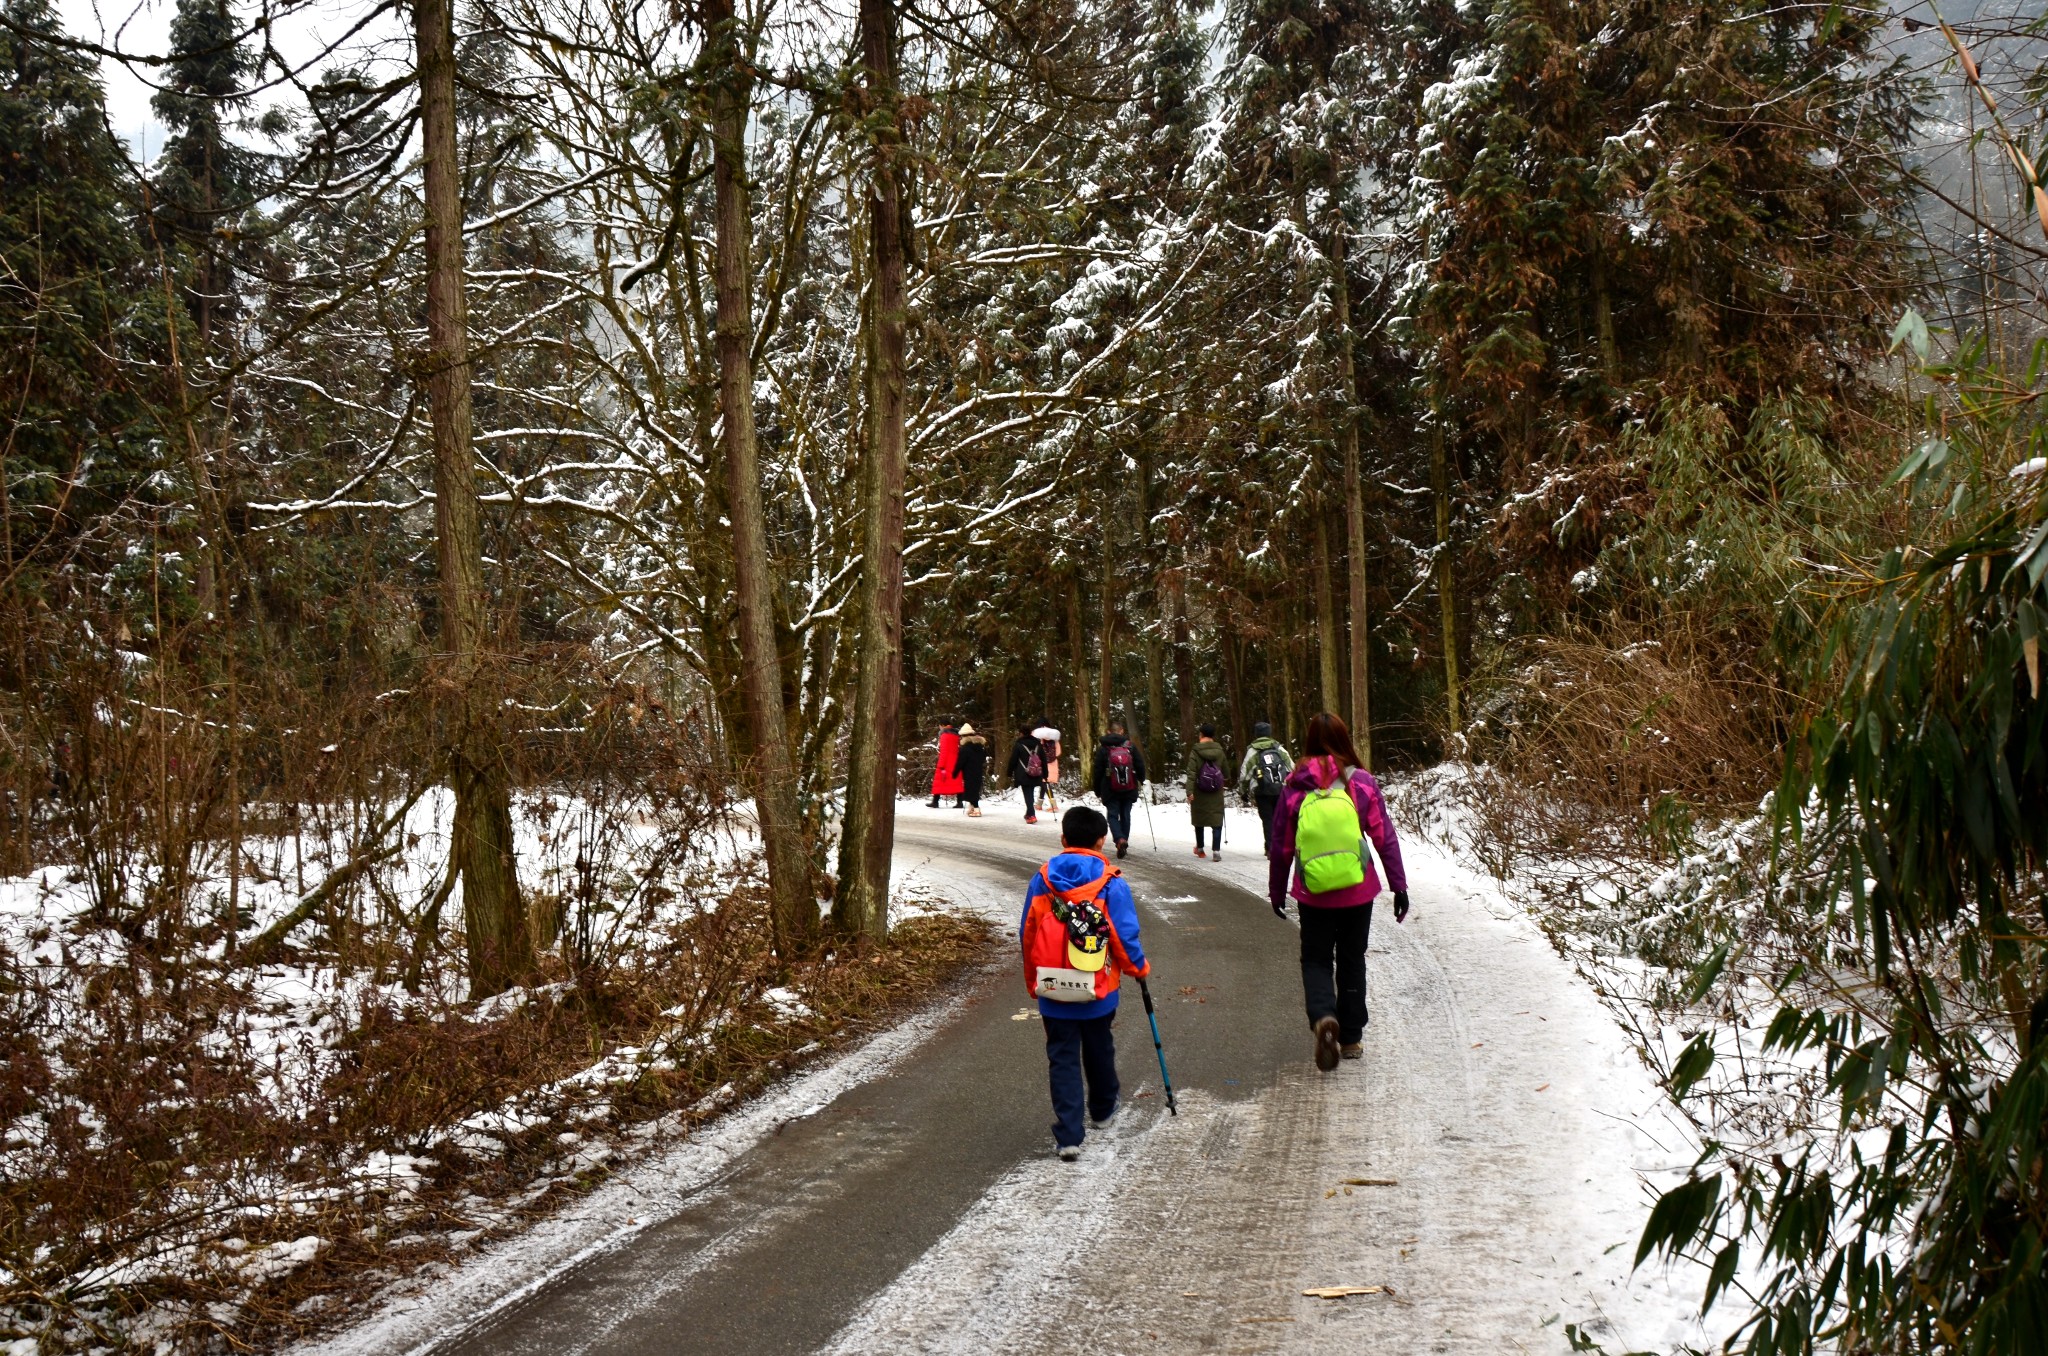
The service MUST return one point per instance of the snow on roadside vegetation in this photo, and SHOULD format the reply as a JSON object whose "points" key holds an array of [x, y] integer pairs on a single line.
{"points": [[181, 1134], [1688, 946]]}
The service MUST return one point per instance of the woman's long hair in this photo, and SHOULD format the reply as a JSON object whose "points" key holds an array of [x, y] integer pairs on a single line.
{"points": [[1330, 737]]}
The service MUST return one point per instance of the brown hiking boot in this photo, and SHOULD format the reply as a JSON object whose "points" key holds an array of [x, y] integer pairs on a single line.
{"points": [[1123, 845], [1326, 1044], [1355, 1050]]}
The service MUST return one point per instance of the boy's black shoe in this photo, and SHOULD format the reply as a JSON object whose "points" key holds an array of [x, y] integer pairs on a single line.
{"points": [[1327, 1044]]}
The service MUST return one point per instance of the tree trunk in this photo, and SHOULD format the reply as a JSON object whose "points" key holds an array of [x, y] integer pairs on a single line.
{"points": [[1183, 674], [1603, 322], [869, 834], [1446, 573], [1233, 686], [1106, 676], [793, 903], [1155, 700], [500, 945], [1000, 735], [1326, 616], [1285, 645], [1155, 661], [1354, 506], [1082, 742]]}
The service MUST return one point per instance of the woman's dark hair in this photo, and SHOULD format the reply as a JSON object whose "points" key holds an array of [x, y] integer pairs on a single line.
{"points": [[1329, 736], [1208, 731]]}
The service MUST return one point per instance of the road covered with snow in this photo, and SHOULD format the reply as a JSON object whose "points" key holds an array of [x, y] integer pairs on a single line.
{"points": [[1480, 1177]]}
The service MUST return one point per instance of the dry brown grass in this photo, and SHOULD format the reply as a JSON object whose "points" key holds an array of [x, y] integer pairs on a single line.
{"points": [[1611, 746]]}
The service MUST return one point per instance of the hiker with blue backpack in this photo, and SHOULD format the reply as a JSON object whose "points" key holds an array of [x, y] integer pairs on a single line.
{"points": [[1079, 935], [1207, 781], [1331, 806], [1118, 773]]}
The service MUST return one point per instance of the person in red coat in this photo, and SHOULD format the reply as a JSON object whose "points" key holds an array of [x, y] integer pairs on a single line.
{"points": [[946, 776]]}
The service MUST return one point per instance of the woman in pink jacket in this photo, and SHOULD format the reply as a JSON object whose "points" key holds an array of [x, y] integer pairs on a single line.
{"points": [[1335, 923]]}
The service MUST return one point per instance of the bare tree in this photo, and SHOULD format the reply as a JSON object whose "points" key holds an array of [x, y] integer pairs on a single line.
{"points": [[500, 944], [862, 902], [792, 900]]}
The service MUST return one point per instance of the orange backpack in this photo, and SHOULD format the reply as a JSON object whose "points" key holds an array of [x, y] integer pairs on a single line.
{"points": [[1071, 951]]}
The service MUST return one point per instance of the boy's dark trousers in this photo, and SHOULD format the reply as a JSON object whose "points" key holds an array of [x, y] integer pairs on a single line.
{"points": [[1268, 805], [1334, 940], [1072, 1047]]}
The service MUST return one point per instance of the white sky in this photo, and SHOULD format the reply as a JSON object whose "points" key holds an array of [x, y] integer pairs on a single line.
{"points": [[143, 28], [132, 26]]}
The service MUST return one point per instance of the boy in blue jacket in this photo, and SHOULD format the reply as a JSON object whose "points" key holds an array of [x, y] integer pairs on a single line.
{"points": [[1079, 934]]}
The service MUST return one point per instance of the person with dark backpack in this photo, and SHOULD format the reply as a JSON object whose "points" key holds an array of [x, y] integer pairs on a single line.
{"points": [[1118, 774], [1332, 805], [1263, 777], [1206, 783], [1027, 770]]}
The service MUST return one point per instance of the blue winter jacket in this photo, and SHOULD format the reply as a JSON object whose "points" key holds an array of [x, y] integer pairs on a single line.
{"points": [[1066, 871]]}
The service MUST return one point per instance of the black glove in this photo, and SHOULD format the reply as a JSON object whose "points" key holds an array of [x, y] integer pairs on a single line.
{"points": [[1400, 906], [1280, 911]]}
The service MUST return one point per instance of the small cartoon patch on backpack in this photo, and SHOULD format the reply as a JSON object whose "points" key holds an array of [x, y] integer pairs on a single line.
{"points": [[1087, 933]]}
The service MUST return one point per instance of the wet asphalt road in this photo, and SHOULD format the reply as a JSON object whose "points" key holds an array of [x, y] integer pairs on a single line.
{"points": [[775, 1255]]}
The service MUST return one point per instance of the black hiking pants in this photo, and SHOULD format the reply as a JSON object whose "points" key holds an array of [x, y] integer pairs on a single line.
{"points": [[1333, 966], [1268, 806]]}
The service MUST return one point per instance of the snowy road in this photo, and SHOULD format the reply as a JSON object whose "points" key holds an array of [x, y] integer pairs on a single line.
{"points": [[1499, 1115]]}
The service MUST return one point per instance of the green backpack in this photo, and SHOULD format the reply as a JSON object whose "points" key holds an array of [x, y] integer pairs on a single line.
{"points": [[1328, 841]]}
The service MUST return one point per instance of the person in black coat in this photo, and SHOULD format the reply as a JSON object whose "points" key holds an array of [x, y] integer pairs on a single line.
{"points": [[1022, 752], [972, 763]]}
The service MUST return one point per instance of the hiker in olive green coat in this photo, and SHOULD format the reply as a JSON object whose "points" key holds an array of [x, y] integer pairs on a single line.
{"points": [[1205, 790]]}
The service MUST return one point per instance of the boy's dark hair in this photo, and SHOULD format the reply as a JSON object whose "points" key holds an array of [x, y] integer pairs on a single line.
{"points": [[1208, 730], [1083, 826]]}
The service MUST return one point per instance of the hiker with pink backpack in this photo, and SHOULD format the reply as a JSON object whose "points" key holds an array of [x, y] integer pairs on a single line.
{"points": [[1118, 774], [1329, 809], [1028, 769]]}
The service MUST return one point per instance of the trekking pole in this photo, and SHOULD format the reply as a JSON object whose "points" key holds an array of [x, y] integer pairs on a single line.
{"points": [[1146, 991], [1148, 821]]}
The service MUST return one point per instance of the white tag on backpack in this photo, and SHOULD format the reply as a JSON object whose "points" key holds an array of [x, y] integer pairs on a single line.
{"points": [[1065, 986]]}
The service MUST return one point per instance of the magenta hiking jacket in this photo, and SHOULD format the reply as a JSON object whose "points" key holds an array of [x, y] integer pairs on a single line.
{"points": [[1312, 774]]}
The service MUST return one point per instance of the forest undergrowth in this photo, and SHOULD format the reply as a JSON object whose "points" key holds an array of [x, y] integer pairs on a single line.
{"points": [[224, 1124], [1841, 979]]}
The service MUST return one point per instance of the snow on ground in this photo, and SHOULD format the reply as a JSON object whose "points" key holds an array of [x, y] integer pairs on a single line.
{"points": [[295, 1016], [433, 1308], [1512, 1135]]}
